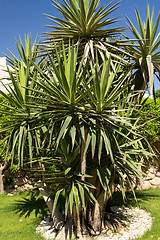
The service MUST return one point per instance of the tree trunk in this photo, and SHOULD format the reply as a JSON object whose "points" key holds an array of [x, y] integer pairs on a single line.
{"points": [[1, 178], [91, 221], [67, 231], [83, 156], [58, 219], [96, 213]]}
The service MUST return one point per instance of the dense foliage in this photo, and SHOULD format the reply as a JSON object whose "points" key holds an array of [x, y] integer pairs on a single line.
{"points": [[4, 118], [157, 93], [151, 118]]}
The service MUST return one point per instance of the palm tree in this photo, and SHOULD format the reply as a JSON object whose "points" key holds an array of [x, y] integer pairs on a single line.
{"points": [[77, 121], [86, 22], [145, 52], [22, 75], [84, 117], [83, 20]]}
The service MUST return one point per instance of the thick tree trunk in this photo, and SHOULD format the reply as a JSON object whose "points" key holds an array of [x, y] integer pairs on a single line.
{"points": [[96, 212], [83, 155], [58, 219], [62, 229], [1, 178], [91, 221], [67, 231]]}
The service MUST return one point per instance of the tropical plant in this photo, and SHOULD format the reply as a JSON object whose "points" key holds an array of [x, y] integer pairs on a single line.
{"points": [[87, 23], [22, 75], [28, 53], [75, 120], [145, 51], [84, 20], [91, 138]]}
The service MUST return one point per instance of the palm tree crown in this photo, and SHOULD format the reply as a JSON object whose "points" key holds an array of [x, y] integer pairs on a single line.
{"points": [[145, 52], [84, 20]]}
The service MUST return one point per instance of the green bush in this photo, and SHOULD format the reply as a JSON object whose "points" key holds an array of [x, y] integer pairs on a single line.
{"points": [[3, 118], [157, 93], [151, 111]]}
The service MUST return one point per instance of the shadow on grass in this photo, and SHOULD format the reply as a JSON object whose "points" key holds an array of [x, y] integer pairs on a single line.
{"points": [[33, 202], [143, 195]]}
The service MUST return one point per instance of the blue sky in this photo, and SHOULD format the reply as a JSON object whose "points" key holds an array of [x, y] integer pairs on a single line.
{"points": [[20, 17]]}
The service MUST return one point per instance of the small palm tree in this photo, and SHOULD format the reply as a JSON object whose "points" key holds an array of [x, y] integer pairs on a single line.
{"points": [[76, 117], [83, 20], [145, 51], [22, 75], [86, 22], [81, 128]]}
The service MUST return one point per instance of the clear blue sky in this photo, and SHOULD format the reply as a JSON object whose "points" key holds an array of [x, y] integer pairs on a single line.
{"points": [[19, 17]]}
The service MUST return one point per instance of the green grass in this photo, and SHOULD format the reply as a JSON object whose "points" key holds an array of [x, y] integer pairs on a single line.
{"points": [[148, 200], [11, 226], [14, 228]]}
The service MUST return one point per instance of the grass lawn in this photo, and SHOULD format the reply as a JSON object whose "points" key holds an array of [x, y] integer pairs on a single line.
{"points": [[14, 228], [150, 201], [11, 226]]}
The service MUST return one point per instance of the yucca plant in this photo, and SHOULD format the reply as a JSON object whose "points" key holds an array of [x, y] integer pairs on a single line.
{"points": [[93, 139], [87, 23], [77, 118], [20, 137], [83, 19], [145, 50], [27, 52]]}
